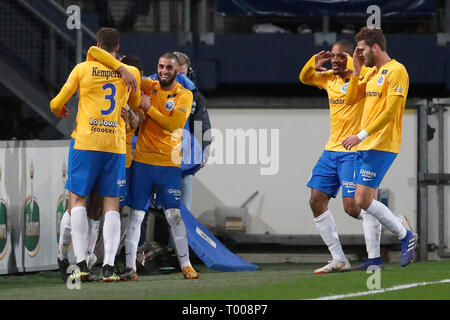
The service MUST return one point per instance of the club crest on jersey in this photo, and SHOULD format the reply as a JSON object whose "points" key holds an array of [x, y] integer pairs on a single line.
{"points": [[170, 105], [344, 88], [380, 80]]}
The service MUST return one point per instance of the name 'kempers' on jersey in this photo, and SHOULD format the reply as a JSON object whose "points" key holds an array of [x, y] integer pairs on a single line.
{"points": [[105, 73], [103, 93]]}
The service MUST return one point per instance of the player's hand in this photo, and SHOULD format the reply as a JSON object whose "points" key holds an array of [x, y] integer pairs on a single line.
{"points": [[321, 58], [64, 113], [358, 62], [129, 79], [145, 102], [124, 115], [350, 142]]}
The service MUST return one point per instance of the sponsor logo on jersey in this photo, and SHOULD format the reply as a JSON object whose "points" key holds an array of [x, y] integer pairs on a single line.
{"points": [[337, 101], [170, 105], [32, 226], [171, 96], [121, 183], [374, 94], [384, 71]]}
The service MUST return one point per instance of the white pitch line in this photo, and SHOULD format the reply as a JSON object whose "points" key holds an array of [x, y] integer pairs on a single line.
{"points": [[366, 293]]}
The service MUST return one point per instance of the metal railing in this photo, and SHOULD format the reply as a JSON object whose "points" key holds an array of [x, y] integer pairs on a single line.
{"points": [[426, 179]]}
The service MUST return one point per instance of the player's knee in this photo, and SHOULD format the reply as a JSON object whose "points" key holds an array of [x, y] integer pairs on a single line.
{"points": [[352, 209], [317, 205], [363, 203], [173, 216]]}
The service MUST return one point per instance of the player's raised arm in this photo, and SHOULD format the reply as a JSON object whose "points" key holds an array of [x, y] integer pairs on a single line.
{"points": [[58, 103], [102, 56], [134, 100], [177, 118], [309, 74]]}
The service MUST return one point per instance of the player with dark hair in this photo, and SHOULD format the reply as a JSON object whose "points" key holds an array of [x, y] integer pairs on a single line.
{"points": [[335, 167], [383, 89], [98, 154], [157, 159]]}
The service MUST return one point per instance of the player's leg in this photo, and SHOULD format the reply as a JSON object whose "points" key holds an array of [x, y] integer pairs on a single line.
{"points": [[374, 167], [111, 184], [349, 162], [65, 229], [187, 185], [95, 211], [324, 184], [141, 184], [170, 187], [111, 237]]}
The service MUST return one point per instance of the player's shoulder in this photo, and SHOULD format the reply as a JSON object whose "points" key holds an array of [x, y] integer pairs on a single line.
{"points": [[183, 91], [395, 66], [135, 71]]}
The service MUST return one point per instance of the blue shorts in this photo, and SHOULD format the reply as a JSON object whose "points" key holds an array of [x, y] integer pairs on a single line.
{"points": [[103, 172], [371, 167], [333, 170], [69, 161], [144, 178], [124, 196]]}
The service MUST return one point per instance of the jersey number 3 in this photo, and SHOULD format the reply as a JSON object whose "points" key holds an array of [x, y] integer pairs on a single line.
{"points": [[109, 97]]}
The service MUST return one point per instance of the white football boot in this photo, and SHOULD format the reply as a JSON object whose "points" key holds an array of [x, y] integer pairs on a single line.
{"points": [[334, 266]]}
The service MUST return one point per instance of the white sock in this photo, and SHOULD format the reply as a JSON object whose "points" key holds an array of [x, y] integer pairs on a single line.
{"points": [[372, 234], [178, 230], [80, 230], [387, 218], [327, 228], [111, 236], [64, 236], [132, 238], [94, 225]]}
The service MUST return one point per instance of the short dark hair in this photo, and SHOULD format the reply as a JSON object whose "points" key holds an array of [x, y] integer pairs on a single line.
{"points": [[170, 55], [348, 45], [108, 38], [134, 61], [371, 37]]}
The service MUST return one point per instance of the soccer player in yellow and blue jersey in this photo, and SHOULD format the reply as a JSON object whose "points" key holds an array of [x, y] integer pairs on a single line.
{"points": [[384, 90], [98, 154], [335, 168], [157, 159]]}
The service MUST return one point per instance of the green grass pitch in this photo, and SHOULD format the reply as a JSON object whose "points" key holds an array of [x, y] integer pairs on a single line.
{"points": [[272, 282]]}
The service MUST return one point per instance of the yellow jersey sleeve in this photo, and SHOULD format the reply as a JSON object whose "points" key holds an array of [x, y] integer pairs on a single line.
{"points": [[356, 90], [394, 105], [179, 115], [148, 85], [309, 75], [67, 91], [102, 56], [398, 83]]}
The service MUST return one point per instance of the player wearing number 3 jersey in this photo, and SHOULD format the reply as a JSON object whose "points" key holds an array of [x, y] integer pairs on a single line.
{"points": [[98, 159]]}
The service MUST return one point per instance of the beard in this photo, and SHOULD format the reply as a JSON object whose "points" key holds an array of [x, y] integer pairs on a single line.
{"points": [[168, 82], [370, 60]]}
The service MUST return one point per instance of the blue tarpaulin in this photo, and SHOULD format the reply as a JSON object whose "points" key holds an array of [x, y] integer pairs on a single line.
{"points": [[349, 8], [210, 250]]}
